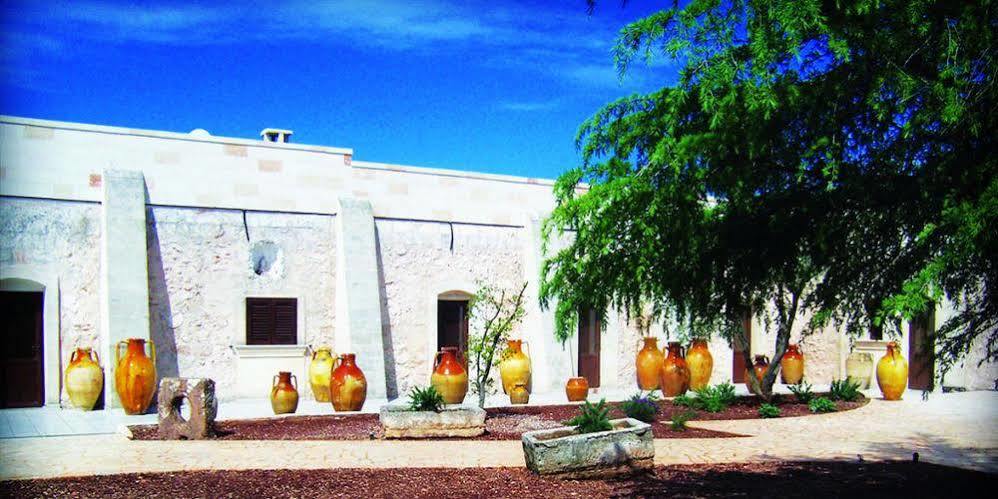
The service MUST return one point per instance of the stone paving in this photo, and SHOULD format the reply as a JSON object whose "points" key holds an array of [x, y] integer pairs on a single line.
{"points": [[955, 429]]}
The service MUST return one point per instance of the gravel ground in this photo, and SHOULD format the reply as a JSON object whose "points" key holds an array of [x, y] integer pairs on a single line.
{"points": [[770, 479], [502, 423]]}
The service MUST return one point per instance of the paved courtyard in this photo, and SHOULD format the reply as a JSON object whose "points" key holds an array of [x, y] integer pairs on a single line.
{"points": [[956, 429]]}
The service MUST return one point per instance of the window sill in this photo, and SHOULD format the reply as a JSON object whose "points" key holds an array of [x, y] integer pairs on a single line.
{"points": [[269, 351]]}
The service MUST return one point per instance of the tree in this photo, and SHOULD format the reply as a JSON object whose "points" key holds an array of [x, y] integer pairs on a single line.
{"points": [[494, 312], [833, 160]]}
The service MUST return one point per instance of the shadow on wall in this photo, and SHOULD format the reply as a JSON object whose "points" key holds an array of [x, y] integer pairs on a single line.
{"points": [[391, 379], [160, 310]]}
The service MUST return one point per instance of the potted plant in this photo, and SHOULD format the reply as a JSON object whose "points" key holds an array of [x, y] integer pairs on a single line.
{"points": [[426, 416], [590, 446]]}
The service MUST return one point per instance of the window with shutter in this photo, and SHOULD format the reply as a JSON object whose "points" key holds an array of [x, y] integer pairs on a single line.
{"points": [[271, 321]]}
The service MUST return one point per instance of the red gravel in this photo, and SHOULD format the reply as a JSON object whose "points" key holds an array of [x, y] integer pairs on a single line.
{"points": [[770, 479], [502, 423]]}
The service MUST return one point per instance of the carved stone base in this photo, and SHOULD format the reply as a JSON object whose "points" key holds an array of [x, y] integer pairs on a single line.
{"points": [[200, 395]]}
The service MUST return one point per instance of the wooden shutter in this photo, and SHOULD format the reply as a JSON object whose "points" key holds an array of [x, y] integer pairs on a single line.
{"points": [[271, 321]]}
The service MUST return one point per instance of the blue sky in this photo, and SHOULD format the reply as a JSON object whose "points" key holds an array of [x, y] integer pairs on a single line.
{"points": [[499, 87]]}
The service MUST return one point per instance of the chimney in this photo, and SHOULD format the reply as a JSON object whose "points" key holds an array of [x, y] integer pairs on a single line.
{"points": [[276, 135]]}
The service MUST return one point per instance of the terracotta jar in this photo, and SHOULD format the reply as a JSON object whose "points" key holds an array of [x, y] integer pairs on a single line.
{"points": [[347, 385], [319, 371], [700, 363], [135, 375], [892, 373], [649, 364], [515, 366], [449, 376], [577, 389], [519, 394], [859, 368], [284, 393], [758, 370], [675, 375], [792, 365], [84, 378]]}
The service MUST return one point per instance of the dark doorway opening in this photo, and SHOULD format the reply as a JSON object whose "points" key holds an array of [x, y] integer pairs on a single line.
{"points": [[589, 345], [452, 324], [921, 346], [22, 375]]}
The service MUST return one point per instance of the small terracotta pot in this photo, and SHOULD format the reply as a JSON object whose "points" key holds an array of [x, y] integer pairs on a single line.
{"points": [[701, 364], [284, 393], [758, 370], [792, 365], [649, 364], [892, 373], [675, 375], [577, 389]]}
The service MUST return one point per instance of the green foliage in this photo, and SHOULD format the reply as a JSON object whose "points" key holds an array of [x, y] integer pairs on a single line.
{"points": [[820, 158], [679, 419], [641, 407], [493, 313], [425, 399], [802, 391], [769, 411], [822, 404], [844, 389], [592, 418], [684, 401], [714, 398]]}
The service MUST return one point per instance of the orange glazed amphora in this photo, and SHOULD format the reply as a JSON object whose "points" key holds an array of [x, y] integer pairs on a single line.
{"points": [[347, 386], [675, 375], [649, 364], [792, 365], [700, 363], [892, 373], [577, 389], [449, 377], [84, 378], [135, 375], [515, 366], [284, 393], [758, 370]]}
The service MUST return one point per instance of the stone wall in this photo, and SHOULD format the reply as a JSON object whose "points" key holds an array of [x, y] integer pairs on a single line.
{"points": [[61, 238], [418, 261], [203, 264]]}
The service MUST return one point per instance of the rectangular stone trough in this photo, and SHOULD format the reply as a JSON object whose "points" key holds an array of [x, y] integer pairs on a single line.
{"points": [[458, 420], [565, 453]]}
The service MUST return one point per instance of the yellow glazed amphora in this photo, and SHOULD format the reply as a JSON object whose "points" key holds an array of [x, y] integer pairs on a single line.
{"points": [[892, 373], [84, 378], [319, 371], [648, 364], [519, 394], [515, 366], [700, 363]]}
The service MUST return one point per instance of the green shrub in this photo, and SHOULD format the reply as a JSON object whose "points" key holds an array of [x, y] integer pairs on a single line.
{"points": [[641, 407], [802, 390], [769, 411], [844, 389], [684, 401], [822, 404], [715, 398], [679, 420], [425, 399], [592, 418]]}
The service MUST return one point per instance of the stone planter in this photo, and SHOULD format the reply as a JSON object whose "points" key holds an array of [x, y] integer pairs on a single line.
{"points": [[563, 453], [458, 420]]}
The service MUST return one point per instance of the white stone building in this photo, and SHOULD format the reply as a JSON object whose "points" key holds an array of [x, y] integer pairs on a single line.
{"points": [[124, 233]]}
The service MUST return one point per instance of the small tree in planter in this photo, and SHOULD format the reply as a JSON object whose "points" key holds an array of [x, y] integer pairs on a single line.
{"points": [[493, 312]]}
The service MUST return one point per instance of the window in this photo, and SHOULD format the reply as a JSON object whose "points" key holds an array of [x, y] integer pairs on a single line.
{"points": [[271, 321]]}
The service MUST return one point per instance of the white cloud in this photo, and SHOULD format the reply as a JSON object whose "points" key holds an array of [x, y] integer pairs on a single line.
{"points": [[528, 106]]}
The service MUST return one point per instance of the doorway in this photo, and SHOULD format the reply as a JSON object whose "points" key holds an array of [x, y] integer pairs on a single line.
{"points": [[22, 374], [452, 324], [921, 345], [589, 346]]}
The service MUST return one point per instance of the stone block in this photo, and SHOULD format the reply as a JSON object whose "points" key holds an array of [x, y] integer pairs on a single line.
{"points": [[200, 397], [458, 420], [564, 453]]}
